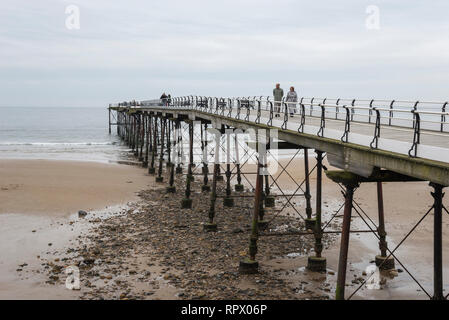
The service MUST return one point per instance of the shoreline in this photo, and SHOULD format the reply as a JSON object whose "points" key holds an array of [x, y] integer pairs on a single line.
{"points": [[403, 208]]}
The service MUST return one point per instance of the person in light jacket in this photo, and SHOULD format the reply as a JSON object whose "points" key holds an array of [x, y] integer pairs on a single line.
{"points": [[278, 94], [291, 100]]}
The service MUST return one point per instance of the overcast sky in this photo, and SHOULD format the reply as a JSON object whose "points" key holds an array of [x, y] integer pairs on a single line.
{"points": [[134, 49]]}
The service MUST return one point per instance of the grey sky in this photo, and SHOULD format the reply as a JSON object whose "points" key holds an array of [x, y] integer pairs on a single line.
{"points": [[136, 49]]}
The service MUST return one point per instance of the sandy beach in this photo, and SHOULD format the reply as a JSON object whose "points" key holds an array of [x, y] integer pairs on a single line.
{"points": [[39, 201], [139, 249]]}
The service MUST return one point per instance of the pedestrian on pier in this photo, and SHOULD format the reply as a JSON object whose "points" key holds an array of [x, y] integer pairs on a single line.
{"points": [[164, 99], [278, 94], [291, 100]]}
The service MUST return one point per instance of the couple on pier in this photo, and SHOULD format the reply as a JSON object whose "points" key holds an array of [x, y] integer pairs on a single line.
{"points": [[291, 99]]}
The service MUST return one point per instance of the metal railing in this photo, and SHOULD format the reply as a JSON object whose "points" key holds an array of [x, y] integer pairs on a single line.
{"points": [[395, 114]]}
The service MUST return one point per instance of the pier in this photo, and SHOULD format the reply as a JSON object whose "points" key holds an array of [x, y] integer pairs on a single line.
{"points": [[367, 141]]}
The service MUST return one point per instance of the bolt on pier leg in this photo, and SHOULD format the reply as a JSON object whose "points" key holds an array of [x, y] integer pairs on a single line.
{"points": [[317, 262]]}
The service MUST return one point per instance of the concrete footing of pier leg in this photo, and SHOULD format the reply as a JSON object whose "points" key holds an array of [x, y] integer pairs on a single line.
{"points": [[269, 202], [151, 170], [210, 227], [316, 264], [171, 189], [239, 187], [262, 225], [310, 224], [228, 202], [205, 188], [383, 263], [159, 179], [178, 170], [186, 203], [248, 266]]}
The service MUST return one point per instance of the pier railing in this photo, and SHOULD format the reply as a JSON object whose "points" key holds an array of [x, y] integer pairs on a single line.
{"points": [[392, 125]]}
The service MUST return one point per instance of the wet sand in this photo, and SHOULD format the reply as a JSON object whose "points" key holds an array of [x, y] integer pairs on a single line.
{"points": [[404, 206], [59, 188], [39, 201]]}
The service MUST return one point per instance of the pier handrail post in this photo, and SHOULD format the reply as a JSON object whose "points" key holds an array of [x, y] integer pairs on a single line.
{"points": [[413, 152], [375, 142], [443, 116]]}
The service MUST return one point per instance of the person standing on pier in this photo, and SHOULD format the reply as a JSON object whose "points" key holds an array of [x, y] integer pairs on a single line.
{"points": [[278, 94], [164, 99], [291, 100]]}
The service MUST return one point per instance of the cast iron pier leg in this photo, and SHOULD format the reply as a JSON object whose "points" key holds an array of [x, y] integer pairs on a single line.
{"points": [[159, 177], [383, 245], [317, 262], [437, 242], [310, 222], [187, 201], [343, 259]]}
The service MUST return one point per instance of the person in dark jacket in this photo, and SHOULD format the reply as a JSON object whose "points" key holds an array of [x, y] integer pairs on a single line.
{"points": [[164, 99], [278, 94]]}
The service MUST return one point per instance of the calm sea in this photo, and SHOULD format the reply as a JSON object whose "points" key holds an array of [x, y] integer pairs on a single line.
{"points": [[57, 133]]}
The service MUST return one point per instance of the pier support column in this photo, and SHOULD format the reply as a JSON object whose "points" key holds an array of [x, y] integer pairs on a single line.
{"points": [[109, 111], [317, 262], [152, 168], [211, 225], [239, 186], [310, 222], [205, 187], [180, 146], [250, 265], [262, 224], [381, 260], [168, 133], [141, 136], [147, 139], [344, 244], [159, 177], [437, 242], [187, 201], [228, 201]]}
